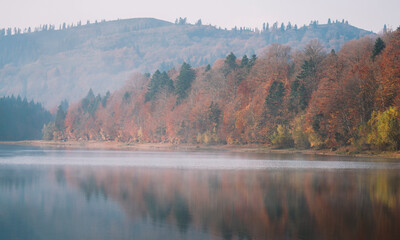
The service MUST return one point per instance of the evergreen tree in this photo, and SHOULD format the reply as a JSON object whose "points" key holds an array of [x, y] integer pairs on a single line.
{"points": [[308, 77], [252, 60], [64, 104], [274, 99], [182, 21], [105, 98], [298, 97], [230, 61], [158, 82], [282, 27], [90, 103], [153, 86], [244, 62], [289, 26], [184, 81], [60, 119], [21, 120], [378, 47], [214, 114], [166, 82], [208, 68]]}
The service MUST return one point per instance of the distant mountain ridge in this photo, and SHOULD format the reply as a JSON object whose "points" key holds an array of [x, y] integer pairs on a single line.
{"points": [[51, 65]]}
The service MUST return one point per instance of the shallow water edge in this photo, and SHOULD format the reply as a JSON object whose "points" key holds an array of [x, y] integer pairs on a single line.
{"points": [[251, 148]]}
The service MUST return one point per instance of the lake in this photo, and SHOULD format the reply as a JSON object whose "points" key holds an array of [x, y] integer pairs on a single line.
{"points": [[107, 194]]}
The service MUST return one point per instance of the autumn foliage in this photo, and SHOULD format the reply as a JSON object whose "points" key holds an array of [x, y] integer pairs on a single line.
{"points": [[308, 97]]}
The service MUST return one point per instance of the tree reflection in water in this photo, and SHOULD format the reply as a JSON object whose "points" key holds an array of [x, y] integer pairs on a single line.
{"points": [[254, 204], [67, 202]]}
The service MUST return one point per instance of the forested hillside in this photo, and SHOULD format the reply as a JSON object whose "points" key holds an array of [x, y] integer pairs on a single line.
{"points": [[284, 97], [49, 65], [21, 120]]}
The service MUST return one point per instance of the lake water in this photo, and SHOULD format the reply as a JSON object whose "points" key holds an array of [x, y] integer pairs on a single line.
{"points": [[98, 194]]}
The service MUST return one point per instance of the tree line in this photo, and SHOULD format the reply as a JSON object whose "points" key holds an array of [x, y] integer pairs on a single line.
{"points": [[21, 120], [305, 98]]}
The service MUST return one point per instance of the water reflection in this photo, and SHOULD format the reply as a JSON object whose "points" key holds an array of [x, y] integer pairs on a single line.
{"points": [[73, 202]]}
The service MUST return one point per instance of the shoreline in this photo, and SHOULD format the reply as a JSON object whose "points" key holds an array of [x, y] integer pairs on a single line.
{"points": [[251, 148]]}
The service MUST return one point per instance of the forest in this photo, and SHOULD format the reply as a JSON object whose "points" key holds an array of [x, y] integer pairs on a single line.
{"points": [[21, 120], [307, 98], [51, 63]]}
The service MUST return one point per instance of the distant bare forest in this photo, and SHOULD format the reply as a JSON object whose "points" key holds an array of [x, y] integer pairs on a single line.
{"points": [[50, 65]]}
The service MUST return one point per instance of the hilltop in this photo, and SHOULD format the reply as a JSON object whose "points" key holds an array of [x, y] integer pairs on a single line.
{"points": [[51, 65]]}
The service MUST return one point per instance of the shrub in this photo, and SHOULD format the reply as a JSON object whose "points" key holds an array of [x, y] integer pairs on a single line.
{"points": [[282, 138]]}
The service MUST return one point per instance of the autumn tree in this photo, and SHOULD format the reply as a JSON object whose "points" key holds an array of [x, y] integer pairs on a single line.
{"points": [[282, 137], [389, 90], [302, 98], [385, 129]]}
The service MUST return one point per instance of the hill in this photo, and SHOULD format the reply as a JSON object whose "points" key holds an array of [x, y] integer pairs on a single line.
{"points": [[50, 65]]}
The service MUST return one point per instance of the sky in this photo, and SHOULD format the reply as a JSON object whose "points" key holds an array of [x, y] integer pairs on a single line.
{"points": [[366, 14]]}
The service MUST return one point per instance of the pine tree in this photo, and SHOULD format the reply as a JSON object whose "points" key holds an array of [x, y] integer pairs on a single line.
{"points": [[274, 99], [308, 78], [153, 86], [60, 119], [252, 60], [230, 61], [378, 47], [158, 82], [208, 68], [184, 81], [244, 62], [298, 97]]}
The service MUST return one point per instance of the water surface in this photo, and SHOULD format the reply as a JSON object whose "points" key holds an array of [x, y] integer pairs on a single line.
{"points": [[99, 194]]}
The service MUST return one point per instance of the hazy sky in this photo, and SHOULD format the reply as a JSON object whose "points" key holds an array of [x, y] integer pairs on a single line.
{"points": [[366, 14]]}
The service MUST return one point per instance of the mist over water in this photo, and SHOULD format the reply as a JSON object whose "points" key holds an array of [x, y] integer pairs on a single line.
{"points": [[187, 160], [91, 194]]}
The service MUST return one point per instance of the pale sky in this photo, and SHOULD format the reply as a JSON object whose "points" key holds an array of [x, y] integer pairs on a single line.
{"points": [[366, 14]]}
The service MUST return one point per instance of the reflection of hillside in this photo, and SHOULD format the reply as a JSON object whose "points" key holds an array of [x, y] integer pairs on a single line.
{"points": [[253, 204]]}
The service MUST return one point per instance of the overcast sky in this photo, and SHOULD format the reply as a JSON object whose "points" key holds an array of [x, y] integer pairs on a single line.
{"points": [[366, 14]]}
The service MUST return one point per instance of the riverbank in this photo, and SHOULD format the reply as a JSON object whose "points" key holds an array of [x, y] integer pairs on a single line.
{"points": [[253, 148]]}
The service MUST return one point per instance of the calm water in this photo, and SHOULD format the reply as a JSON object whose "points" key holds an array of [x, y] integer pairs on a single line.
{"points": [[84, 194]]}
